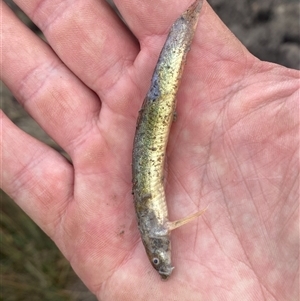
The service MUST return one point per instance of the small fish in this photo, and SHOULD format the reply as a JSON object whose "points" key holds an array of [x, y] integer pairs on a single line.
{"points": [[150, 142]]}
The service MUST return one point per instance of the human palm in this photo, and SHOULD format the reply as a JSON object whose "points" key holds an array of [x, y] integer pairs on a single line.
{"points": [[234, 147]]}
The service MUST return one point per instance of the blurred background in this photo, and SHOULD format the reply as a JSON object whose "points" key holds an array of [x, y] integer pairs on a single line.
{"points": [[31, 266]]}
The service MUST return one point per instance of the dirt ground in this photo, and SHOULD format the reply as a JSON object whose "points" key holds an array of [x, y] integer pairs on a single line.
{"points": [[269, 29]]}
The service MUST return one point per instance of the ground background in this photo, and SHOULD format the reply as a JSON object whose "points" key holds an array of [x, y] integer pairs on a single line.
{"points": [[31, 267]]}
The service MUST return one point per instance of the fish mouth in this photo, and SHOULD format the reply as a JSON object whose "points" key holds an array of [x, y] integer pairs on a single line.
{"points": [[165, 272]]}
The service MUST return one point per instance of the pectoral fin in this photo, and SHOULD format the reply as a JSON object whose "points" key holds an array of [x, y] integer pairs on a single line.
{"points": [[176, 224]]}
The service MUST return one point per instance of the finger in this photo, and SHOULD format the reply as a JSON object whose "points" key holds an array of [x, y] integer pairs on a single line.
{"points": [[38, 178], [213, 43], [53, 96], [88, 37], [149, 18]]}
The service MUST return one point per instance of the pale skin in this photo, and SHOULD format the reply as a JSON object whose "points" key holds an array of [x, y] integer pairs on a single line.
{"points": [[233, 146]]}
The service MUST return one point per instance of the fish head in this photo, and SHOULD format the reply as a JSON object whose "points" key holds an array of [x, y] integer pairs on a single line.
{"points": [[159, 255]]}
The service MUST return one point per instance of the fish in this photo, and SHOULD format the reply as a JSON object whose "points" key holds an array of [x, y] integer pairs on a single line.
{"points": [[150, 143]]}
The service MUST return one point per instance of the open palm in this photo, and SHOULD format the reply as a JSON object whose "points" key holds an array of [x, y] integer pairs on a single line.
{"points": [[234, 147]]}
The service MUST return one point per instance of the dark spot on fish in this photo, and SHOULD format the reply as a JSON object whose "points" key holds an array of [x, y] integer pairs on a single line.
{"points": [[154, 91], [146, 196]]}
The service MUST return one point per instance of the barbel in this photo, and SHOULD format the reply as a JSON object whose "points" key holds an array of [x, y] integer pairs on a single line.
{"points": [[150, 142]]}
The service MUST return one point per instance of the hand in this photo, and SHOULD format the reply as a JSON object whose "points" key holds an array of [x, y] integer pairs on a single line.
{"points": [[234, 146]]}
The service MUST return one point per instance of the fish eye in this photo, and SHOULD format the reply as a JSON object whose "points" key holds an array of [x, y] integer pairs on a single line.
{"points": [[155, 261]]}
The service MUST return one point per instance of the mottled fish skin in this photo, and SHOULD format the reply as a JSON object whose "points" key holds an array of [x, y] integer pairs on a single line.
{"points": [[150, 142]]}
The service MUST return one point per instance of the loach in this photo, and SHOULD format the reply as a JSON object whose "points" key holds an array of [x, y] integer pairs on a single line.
{"points": [[150, 142]]}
